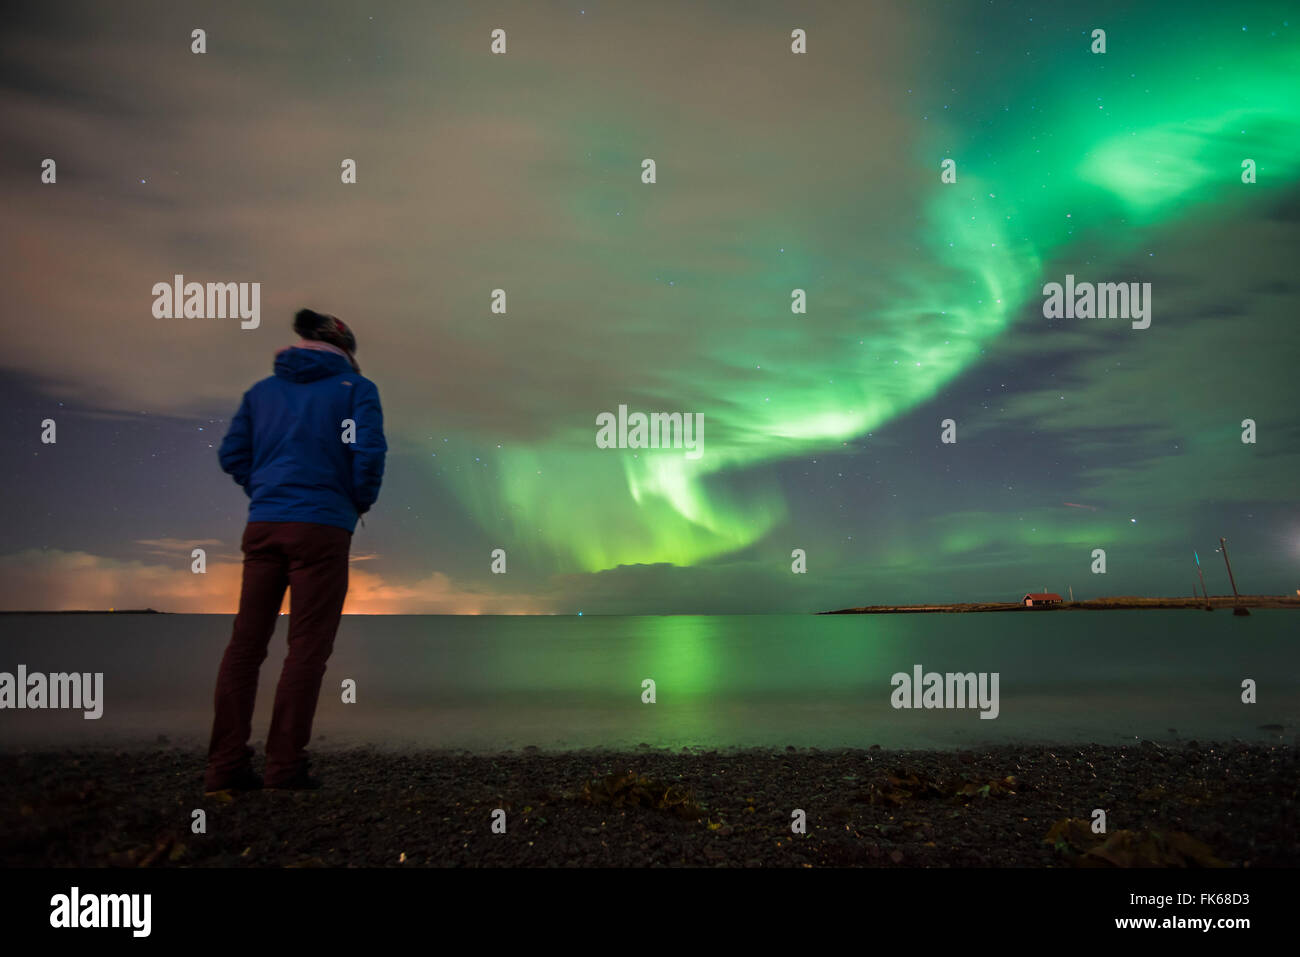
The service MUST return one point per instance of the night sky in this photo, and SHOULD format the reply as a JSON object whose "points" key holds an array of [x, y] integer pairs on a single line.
{"points": [[775, 171]]}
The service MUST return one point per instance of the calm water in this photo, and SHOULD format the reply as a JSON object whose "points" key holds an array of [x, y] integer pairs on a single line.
{"points": [[492, 683]]}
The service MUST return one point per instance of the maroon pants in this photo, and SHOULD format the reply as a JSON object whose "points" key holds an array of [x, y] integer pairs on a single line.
{"points": [[310, 560]]}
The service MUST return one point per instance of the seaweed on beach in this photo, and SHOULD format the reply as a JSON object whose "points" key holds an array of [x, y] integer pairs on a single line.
{"points": [[166, 848], [630, 789], [1075, 840], [902, 786]]}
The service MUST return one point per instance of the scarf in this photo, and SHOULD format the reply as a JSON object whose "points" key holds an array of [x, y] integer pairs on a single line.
{"points": [[324, 347]]}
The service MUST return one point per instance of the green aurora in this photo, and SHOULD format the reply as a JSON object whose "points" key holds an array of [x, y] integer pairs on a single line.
{"points": [[1121, 147]]}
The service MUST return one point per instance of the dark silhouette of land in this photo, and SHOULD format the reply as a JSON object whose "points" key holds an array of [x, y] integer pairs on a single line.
{"points": [[91, 611], [1090, 604]]}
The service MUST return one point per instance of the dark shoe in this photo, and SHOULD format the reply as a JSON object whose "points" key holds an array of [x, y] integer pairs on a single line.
{"points": [[243, 780], [302, 781]]}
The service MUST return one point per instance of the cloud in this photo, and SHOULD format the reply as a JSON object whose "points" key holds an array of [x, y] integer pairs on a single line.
{"points": [[171, 546], [75, 580]]}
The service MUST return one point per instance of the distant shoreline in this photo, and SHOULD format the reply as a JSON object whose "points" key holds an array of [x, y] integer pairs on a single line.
{"points": [[1091, 604], [91, 611]]}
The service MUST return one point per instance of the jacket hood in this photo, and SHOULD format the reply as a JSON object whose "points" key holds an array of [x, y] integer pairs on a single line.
{"points": [[308, 365]]}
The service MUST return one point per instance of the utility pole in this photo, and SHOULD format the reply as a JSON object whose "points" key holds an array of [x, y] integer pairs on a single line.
{"points": [[1223, 543], [1202, 577]]}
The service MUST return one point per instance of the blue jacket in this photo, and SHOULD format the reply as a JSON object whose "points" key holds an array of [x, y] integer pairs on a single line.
{"points": [[286, 443]]}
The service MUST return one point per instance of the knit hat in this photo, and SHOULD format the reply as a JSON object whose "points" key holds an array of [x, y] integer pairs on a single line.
{"points": [[326, 328]]}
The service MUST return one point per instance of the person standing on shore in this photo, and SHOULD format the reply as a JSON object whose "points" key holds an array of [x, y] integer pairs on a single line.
{"points": [[307, 447]]}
